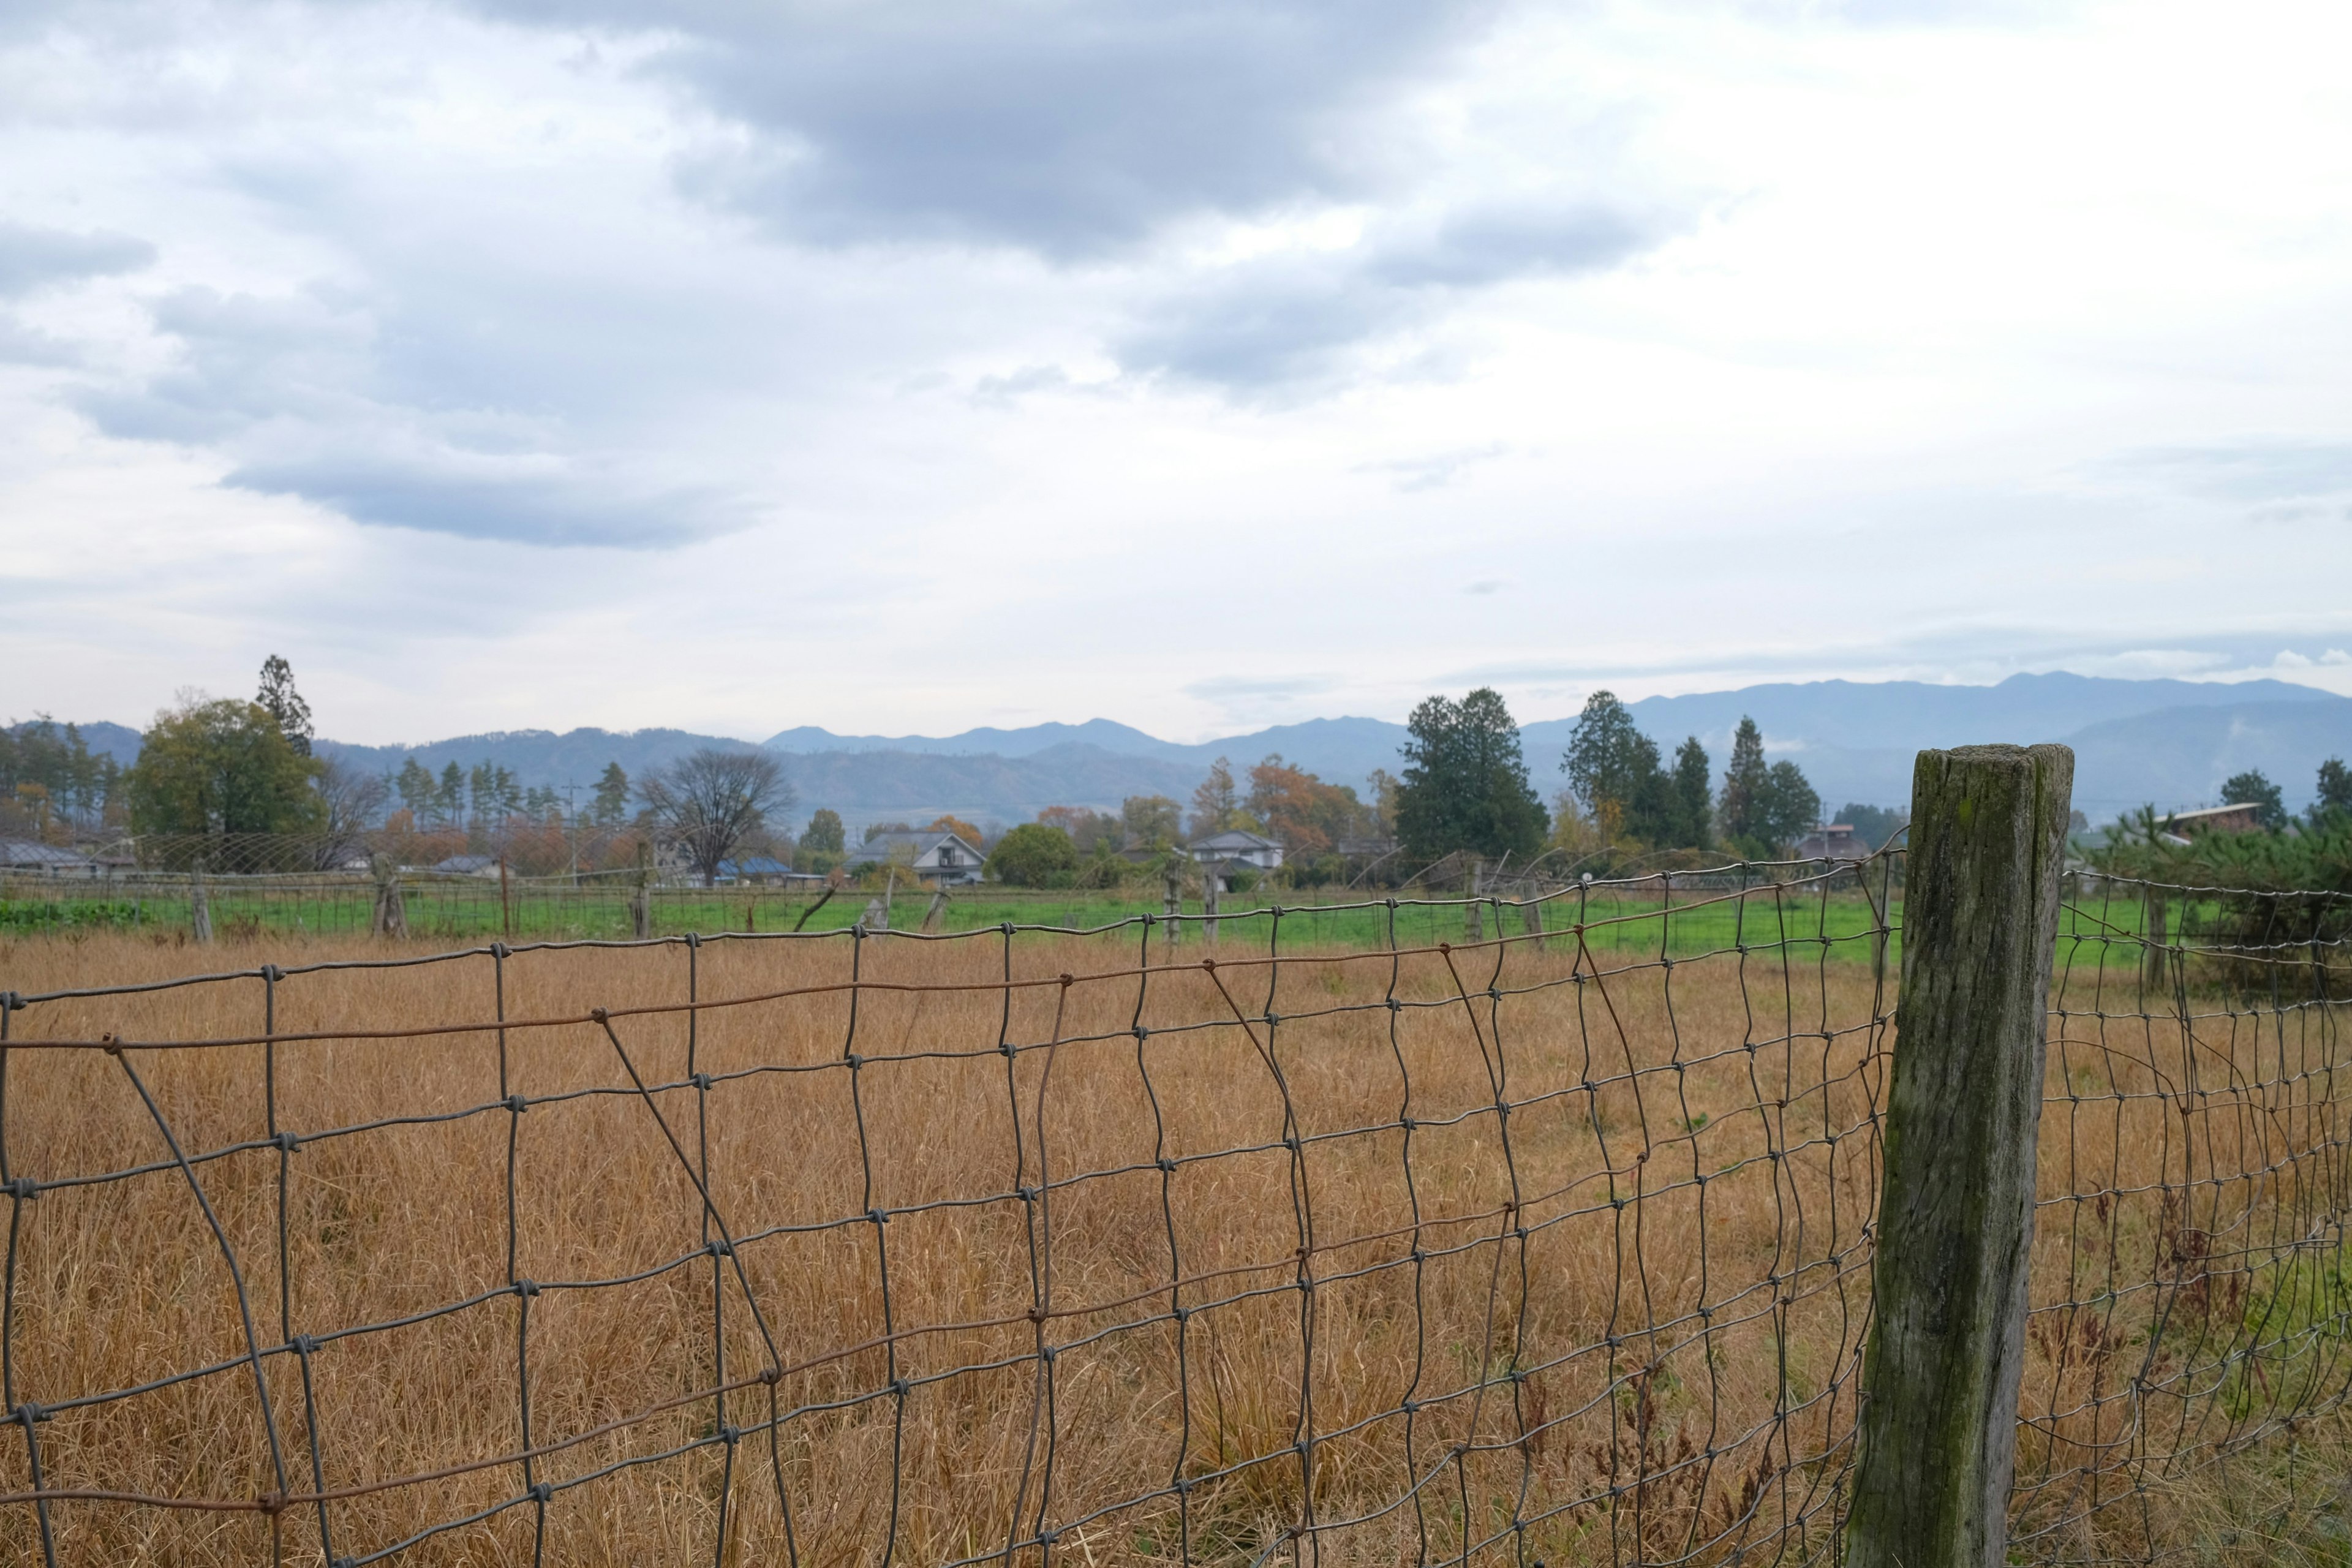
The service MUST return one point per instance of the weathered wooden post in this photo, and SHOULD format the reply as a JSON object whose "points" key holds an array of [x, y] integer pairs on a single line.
{"points": [[391, 910], [1174, 905], [640, 902], [2154, 978], [200, 909], [506, 909], [935, 916], [1473, 927], [1211, 885], [1939, 1418]]}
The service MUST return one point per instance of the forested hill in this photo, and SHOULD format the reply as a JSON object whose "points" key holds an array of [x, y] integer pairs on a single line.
{"points": [[2170, 743]]}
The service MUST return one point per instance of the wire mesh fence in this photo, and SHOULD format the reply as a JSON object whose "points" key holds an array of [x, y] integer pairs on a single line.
{"points": [[1406, 1230]]}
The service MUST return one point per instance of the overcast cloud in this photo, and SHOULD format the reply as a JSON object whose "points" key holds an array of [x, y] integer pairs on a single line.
{"points": [[914, 366]]}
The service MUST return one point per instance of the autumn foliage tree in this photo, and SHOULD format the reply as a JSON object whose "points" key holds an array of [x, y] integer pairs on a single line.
{"points": [[1306, 816]]}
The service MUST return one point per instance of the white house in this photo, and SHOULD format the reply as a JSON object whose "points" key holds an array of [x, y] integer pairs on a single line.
{"points": [[1252, 850], [932, 856]]}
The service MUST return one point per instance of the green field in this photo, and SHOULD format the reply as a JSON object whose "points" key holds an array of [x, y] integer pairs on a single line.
{"points": [[1617, 920]]}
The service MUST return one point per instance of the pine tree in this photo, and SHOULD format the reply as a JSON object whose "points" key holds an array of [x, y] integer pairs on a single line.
{"points": [[1690, 791], [1745, 783], [609, 802], [285, 703]]}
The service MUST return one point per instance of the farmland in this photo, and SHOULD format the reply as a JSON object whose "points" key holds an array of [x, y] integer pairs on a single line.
{"points": [[1630, 1306]]}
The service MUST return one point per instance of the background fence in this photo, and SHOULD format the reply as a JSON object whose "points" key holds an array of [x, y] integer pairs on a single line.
{"points": [[1406, 1230]]}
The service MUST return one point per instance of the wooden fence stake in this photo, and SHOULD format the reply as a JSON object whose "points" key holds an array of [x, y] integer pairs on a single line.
{"points": [[1938, 1416], [200, 909], [640, 902]]}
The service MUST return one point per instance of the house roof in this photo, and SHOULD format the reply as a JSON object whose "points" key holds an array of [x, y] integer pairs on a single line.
{"points": [[467, 863], [880, 846], [1232, 841], [31, 852], [754, 866], [2207, 813]]}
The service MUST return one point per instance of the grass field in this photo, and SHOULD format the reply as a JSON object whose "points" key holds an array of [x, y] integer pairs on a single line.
{"points": [[1659, 1367]]}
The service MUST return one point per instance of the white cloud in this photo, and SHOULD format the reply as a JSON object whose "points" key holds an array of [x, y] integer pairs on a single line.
{"points": [[1183, 364]]}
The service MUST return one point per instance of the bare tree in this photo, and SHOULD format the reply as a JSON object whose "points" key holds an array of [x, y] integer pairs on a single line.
{"points": [[354, 801], [706, 803]]}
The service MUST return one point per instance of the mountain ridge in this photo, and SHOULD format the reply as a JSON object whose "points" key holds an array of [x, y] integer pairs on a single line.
{"points": [[2168, 742]]}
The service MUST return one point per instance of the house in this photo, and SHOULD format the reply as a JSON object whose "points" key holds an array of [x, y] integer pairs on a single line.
{"points": [[1253, 850], [763, 870], [2245, 816], [468, 866], [1833, 841], [29, 855], [932, 856]]}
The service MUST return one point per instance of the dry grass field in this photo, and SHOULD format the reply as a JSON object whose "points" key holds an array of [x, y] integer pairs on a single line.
{"points": [[1162, 1280]]}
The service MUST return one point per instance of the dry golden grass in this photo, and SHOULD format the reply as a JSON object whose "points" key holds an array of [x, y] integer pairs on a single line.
{"points": [[1663, 1365]]}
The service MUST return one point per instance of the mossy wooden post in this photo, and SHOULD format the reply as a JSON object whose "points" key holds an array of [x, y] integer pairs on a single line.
{"points": [[1939, 1418]]}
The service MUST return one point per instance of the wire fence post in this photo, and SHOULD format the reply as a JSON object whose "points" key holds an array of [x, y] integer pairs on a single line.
{"points": [[1938, 1419]]}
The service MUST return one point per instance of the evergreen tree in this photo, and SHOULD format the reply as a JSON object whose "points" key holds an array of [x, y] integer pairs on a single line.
{"points": [[609, 802], [1613, 769], [284, 704], [1691, 807], [1740, 811], [1465, 782], [1215, 804], [449, 800], [415, 783]]}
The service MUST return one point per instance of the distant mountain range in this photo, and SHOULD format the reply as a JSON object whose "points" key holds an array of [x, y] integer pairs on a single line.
{"points": [[2169, 742]]}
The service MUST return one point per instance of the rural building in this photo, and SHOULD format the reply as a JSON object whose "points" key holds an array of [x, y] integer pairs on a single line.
{"points": [[1254, 850], [2244, 816], [758, 870], [932, 856], [468, 866], [1833, 841], [30, 855]]}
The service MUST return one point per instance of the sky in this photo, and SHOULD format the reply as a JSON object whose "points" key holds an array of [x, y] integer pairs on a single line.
{"points": [[906, 367]]}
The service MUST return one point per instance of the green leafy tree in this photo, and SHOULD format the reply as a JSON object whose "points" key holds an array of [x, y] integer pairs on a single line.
{"points": [[1789, 808], [821, 842], [1034, 855], [825, 832], [2335, 794], [218, 768], [2252, 788], [1465, 782], [1146, 820], [1745, 782]]}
